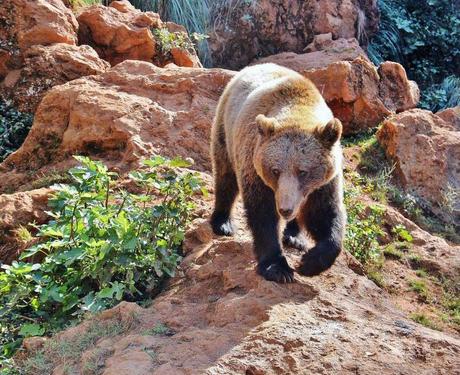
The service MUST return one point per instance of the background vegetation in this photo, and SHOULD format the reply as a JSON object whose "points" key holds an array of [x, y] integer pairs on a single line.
{"points": [[424, 36], [14, 127]]}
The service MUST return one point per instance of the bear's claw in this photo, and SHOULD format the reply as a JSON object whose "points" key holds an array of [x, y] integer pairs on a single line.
{"points": [[278, 271]]}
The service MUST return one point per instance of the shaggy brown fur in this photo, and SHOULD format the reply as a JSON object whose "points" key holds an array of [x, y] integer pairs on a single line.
{"points": [[275, 140]]}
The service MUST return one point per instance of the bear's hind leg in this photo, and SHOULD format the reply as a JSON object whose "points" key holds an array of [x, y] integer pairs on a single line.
{"points": [[324, 217], [225, 188], [293, 237], [262, 218]]}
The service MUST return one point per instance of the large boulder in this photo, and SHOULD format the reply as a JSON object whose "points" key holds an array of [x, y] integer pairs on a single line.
{"points": [[244, 30], [129, 112], [120, 32], [38, 50], [426, 152], [43, 22], [25, 23], [48, 66], [359, 94]]}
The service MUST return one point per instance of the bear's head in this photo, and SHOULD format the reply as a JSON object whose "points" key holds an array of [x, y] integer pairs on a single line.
{"points": [[294, 161]]}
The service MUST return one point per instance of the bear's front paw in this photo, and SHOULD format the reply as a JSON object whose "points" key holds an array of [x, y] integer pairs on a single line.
{"points": [[318, 259], [298, 242], [277, 270], [221, 225]]}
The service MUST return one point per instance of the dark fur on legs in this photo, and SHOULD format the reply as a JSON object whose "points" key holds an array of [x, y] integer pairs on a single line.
{"points": [[262, 218], [324, 218], [226, 190], [225, 187]]}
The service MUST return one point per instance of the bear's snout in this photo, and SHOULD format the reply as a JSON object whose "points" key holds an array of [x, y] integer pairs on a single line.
{"points": [[286, 212]]}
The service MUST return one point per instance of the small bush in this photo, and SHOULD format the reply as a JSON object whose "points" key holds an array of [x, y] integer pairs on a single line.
{"points": [[102, 245], [390, 251], [194, 15], [422, 319], [420, 288], [364, 227], [168, 40], [14, 127]]}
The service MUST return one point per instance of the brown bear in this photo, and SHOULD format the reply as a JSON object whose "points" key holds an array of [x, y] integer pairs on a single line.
{"points": [[276, 141]]}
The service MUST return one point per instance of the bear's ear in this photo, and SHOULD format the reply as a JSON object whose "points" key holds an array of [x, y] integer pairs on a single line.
{"points": [[265, 125], [330, 133]]}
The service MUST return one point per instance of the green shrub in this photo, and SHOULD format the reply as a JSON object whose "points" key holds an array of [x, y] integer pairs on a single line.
{"points": [[168, 40], [364, 227], [423, 36], [420, 288], [14, 127], [102, 245], [424, 320], [194, 15]]}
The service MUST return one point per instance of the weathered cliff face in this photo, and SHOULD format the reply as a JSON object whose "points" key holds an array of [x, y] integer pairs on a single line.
{"points": [[426, 152], [38, 45], [38, 49], [242, 30], [131, 111]]}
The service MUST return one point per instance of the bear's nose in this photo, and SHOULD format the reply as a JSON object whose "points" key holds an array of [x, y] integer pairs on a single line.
{"points": [[286, 212]]}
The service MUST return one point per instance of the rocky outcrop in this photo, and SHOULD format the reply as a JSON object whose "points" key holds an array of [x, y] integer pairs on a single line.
{"points": [[451, 116], [43, 22], [219, 317], [16, 210], [120, 32], [131, 111], [38, 50], [48, 66], [242, 31], [38, 45], [426, 152], [25, 23], [359, 94]]}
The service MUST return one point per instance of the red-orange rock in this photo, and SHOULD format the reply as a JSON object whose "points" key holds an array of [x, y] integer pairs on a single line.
{"points": [[183, 57], [115, 35], [26, 23], [397, 92], [129, 112], [38, 50], [451, 116], [242, 31], [359, 95], [19, 209], [121, 32], [44, 22], [48, 66], [426, 150]]}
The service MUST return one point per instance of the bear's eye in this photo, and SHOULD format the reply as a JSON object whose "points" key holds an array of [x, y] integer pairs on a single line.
{"points": [[275, 172], [303, 174]]}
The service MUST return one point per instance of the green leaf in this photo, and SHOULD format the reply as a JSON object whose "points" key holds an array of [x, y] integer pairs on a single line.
{"points": [[31, 329]]}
